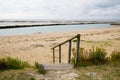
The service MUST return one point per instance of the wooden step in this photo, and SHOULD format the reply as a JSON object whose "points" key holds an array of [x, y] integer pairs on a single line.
{"points": [[61, 66]]}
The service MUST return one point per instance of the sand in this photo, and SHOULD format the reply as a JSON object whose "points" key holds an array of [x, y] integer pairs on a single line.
{"points": [[37, 47]]}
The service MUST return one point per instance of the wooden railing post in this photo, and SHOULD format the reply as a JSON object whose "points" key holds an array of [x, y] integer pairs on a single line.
{"points": [[53, 55], [69, 52], [77, 52], [59, 53]]}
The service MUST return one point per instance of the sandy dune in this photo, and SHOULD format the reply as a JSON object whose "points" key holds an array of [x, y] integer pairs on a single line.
{"points": [[37, 47]]}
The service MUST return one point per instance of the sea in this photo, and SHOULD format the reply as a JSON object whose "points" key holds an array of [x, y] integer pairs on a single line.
{"points": [[49, 29]]}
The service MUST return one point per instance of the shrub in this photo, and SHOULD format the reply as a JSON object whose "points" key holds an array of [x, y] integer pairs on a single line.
{"points": [[12, 63], [93, 56], [98, 55], [115, 56]]}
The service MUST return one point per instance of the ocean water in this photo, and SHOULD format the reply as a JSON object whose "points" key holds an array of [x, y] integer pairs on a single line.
{"points": [[49, 29]]}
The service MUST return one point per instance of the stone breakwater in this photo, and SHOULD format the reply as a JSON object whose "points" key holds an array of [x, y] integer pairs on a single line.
{"points": [[18, 24]]}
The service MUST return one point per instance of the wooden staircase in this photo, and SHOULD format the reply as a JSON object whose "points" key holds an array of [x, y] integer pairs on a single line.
{"points": [[63, 66]]}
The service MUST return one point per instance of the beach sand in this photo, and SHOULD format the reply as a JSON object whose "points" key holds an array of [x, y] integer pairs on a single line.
{"points": [[37, 47]]}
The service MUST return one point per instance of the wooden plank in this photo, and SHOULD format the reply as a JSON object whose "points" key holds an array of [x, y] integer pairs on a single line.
{"points": [[53, 55], [61, 66], [78, 47], [69, 52], [59, 54], [66, 41]]}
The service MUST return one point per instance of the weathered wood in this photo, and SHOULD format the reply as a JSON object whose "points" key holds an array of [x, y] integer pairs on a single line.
{"points": [[69, 52], [59, 53], [66, 41], [61, 66], [77, 46], [53, 55]]}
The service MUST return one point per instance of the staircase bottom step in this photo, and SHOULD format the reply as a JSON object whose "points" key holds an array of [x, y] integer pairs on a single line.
{"points": [[61, 66]]}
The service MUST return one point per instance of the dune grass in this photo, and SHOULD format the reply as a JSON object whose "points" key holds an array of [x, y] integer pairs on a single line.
{"points": [[115, 56], [12, 63], [94, 56]]}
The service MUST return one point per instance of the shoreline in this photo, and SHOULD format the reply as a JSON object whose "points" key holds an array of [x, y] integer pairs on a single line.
{"points": [[37, 47]]}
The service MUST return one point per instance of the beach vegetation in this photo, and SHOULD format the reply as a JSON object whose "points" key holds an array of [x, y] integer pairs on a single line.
{"points": [[92, 56], [115, 56], [12, 63], [97, 55]]}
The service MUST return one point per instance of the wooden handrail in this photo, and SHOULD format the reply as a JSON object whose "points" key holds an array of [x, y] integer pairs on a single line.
{"points": [[69, 51], [66, 41]]}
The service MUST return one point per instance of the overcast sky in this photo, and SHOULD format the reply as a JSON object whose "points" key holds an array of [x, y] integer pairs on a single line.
{"points": [[59, 9]]}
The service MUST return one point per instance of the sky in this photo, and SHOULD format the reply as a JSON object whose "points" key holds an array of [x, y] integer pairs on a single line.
{"points": [[60, 9]]}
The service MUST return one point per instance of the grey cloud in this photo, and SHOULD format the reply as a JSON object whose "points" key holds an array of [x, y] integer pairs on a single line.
{"points": [[108, 3], [60, 9]]}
